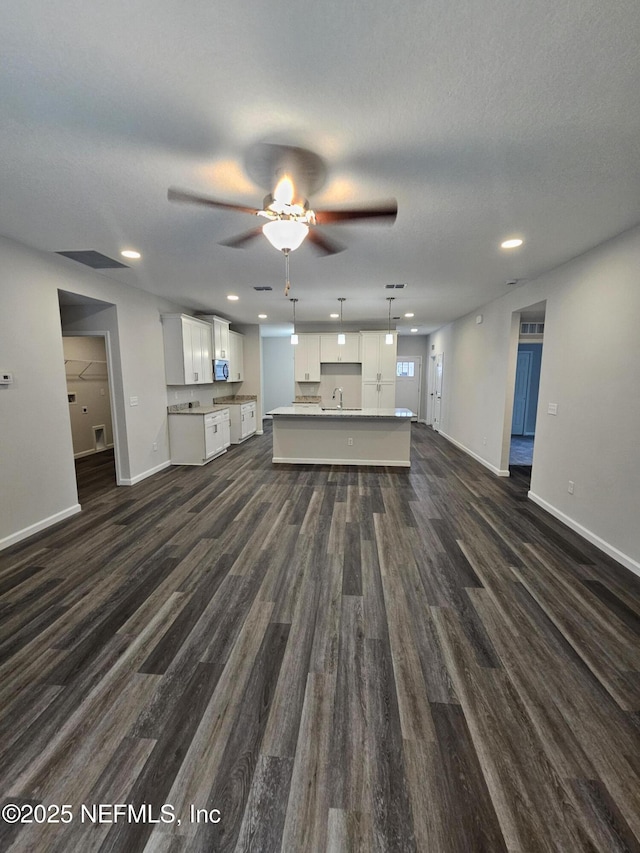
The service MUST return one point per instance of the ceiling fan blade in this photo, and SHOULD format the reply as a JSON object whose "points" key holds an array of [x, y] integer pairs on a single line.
{"points": [[387, 210], [323, 244], [240, 241], [192, 198]]}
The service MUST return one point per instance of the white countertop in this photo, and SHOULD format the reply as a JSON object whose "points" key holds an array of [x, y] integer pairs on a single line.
{"points": [[306, 411]]}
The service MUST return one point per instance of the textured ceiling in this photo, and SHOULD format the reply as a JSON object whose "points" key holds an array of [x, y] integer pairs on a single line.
{"points": [[484, 120]]}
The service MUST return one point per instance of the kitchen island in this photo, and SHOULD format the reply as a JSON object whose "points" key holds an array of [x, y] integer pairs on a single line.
{"points": [[323, 436]]}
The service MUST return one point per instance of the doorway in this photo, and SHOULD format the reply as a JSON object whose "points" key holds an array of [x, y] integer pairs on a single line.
{"points": [[99, 375], [409, 383], [434, 400], [525, 392]]}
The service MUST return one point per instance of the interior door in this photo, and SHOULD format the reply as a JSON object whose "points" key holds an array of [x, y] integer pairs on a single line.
{"points": [[437, 390], [408, 383], [523, 376]]}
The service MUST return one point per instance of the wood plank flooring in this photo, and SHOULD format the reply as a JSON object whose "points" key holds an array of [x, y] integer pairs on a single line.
{"points": [[327, 658]]}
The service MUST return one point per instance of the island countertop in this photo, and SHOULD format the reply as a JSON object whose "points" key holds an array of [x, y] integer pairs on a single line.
{"points": [[319, 412], [316, 436]]}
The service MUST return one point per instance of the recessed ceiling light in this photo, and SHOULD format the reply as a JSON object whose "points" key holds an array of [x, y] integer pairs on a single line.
{"points": [[410, 314], [414, 330], [511, 244], [130, 253], [232, 297], [334, 316], [262, 316]]}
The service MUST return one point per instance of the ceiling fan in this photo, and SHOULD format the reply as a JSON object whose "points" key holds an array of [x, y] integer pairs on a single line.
{"points": [[289, 217]]}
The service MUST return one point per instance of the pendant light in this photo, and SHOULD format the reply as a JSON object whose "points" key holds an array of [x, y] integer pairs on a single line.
{"points": [[388, 338], [341, 338], [294, 336]]}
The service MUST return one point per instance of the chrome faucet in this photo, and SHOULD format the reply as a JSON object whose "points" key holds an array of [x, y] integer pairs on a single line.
{"points": [[334, 396]]}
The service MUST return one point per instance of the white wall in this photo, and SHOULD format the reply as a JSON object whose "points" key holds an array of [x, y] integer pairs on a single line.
{"points": [[590, 368], [37, 474], [278, 374]]}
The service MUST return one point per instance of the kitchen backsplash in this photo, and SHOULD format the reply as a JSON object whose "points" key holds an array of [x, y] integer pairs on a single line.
{"points": [[205, 393]]}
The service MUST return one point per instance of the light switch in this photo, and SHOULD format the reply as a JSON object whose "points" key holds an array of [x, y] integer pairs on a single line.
{"points": [[552, 409], [133, 401]]}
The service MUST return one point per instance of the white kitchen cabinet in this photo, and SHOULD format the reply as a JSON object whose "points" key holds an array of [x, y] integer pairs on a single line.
{"points": [[236, 357], [196, 439], [243, 421], [378, 357], [187, 350], [220, 335], [378, 395], [307, 358], [333, 352], [220, 338]]}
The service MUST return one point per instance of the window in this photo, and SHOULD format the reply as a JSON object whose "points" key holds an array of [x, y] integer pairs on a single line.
{"points": [[406, 369]]}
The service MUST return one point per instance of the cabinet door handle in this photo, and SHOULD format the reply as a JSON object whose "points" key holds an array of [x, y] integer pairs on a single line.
{"points": [[195, 377], [215, 427]]}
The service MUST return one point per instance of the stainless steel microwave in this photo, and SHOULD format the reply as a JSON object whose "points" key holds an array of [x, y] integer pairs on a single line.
{"points": [[220, 369]]}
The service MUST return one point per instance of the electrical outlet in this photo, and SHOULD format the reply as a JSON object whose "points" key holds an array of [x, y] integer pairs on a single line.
{"points": [[571, 487], [350, 442], [155, 445], [484, 439]]}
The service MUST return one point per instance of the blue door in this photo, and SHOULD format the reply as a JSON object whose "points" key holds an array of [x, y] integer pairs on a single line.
{"points": [[523, 377]]}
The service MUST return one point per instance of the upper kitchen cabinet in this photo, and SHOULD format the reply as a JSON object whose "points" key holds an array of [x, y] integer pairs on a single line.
{"points": [[236, 357], [307, 359], [332, 351], [187, 350], [378, 357], [220, 335]]}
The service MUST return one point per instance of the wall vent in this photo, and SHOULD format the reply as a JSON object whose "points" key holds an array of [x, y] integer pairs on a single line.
{"points": [[395, 286], [93, 259], [531, 328], [262, 287]]}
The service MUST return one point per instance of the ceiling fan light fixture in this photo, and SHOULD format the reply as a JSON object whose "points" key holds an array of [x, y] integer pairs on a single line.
{"points": [[285, 234]]}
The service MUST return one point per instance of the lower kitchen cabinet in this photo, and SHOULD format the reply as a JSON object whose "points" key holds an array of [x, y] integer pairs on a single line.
{"points": [[196, 439], [378, 395], [243, 421]]}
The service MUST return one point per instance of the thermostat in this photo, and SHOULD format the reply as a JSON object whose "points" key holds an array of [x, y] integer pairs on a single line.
{"points": [[6, 378]]}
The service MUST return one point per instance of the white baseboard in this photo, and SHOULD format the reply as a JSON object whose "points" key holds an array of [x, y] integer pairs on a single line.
{"points": [[84, 453], [499, 472], [131, 481], [19, 535], [587, 534], [287, 460]]}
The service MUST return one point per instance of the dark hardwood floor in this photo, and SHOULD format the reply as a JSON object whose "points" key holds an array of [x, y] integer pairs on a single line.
{"points": [[332, 658]]}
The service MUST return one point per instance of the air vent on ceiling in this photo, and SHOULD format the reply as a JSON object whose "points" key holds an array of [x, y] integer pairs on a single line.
{"points": [[395, 286], [93, 259], [263, 287]]}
